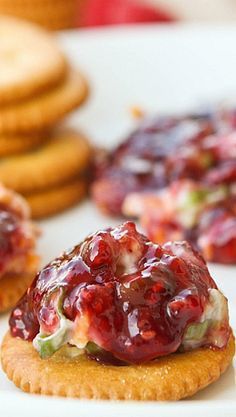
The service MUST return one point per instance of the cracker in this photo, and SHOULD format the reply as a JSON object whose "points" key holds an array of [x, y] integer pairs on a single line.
{"points": [[61, 159], [12, 287], [49, 202], [30, 60], [169, 378], [15, 144], [44, 110], [52, 14]]}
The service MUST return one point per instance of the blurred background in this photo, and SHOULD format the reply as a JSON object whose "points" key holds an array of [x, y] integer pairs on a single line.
{"points": [[62, 14]]}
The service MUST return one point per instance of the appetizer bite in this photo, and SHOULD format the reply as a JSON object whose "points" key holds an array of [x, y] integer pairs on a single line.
{"points": [[18, 260], [120, 317], [188, 210], [183, 173]]}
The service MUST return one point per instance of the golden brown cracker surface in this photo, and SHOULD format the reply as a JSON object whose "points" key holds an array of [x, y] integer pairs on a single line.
{"points": [[46, 109], [15, 144], [169, 378], [59, 160], [52, 14], [52, 201], [12, 287], [30, 60]]}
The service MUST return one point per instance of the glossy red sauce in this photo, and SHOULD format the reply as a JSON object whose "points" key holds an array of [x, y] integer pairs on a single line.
{"points": [[214, 233], [10, 236], [217, 232], [160, 151], [138, 307]]}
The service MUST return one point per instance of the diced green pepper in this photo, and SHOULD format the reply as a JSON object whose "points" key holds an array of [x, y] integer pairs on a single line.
{"points": [[92, 348], [46, 345], [197, 331]]}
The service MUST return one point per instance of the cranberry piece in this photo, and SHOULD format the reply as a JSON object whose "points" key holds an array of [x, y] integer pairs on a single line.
{"points": [[222, 174], [17, 237], [48, 316], [222, 147], [217, 232], [98, 252], [23, 321], [10, 235]]}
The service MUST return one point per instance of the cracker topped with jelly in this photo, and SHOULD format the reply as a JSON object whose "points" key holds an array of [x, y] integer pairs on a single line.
{"points": [[18, 259], [119, 301], [177, 174]]}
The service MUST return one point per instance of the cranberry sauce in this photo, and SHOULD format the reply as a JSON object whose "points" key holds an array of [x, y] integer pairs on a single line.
{"points": [[137, 297], [212, 230], [160, 151], [217, 232], [10, 236]]}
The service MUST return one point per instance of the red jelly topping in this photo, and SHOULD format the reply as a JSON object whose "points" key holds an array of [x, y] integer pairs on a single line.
{"points": [[138, 297], [212, 229], [12, 237], [217, 232], [199, 147], [162, 150]]}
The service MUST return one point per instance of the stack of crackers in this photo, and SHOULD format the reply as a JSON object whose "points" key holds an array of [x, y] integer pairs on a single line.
{"points": [[52, 14], [44, 162]]}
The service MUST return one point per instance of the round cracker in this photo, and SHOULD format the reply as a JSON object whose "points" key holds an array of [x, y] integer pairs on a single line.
{"points": [[46, 109], [15, 144], [30, 60], [52, 14], [169, 378], [61, 159], [49, 202], [12, 287]]}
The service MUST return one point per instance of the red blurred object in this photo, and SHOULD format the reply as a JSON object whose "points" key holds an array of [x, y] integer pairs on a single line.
{"points": [[109, 12]]}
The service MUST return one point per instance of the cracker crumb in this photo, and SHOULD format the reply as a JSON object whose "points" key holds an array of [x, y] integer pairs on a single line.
{"points": [[137, 112]]}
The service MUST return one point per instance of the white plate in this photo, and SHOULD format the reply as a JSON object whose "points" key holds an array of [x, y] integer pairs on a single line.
{"points": [[160, 69]]}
